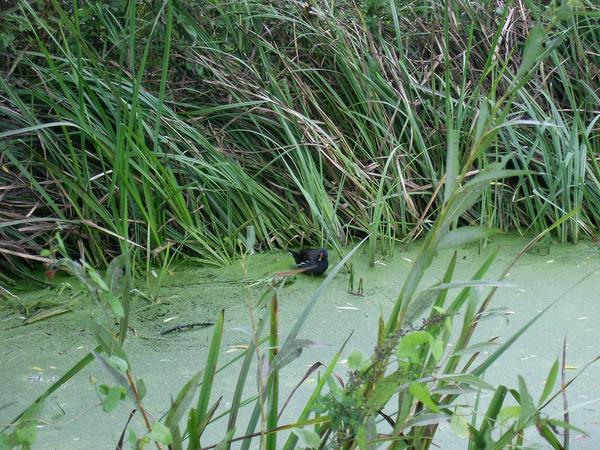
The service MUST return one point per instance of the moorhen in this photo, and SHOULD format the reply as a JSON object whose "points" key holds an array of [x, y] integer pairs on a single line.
{"points": [[312, 261]]}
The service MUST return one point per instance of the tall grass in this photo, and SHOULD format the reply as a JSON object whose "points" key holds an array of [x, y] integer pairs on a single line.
{"points": [[413, 379], [137, 128], [178, 123]]}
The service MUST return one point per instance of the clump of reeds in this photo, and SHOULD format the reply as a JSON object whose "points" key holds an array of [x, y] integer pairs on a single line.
{"points": [[183, 123]]}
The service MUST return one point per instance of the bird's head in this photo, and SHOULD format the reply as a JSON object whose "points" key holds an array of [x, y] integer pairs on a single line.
{"points": [[322, 254]]}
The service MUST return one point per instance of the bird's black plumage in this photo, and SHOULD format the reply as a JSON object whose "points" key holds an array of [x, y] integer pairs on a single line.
{"points": [[314, 260]]}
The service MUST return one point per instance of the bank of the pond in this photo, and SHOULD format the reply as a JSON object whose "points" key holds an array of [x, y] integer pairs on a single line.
{"points": [[35, 355]]}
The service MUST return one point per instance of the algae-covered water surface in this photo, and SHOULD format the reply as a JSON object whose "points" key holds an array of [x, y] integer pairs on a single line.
{"points": [[165, 351]]}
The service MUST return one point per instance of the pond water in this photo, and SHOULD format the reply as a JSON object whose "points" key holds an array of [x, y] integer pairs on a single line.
{"points": [[33, 356]]}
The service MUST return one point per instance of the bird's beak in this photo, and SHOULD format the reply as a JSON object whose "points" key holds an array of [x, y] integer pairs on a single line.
{"points": [[321, 256]]}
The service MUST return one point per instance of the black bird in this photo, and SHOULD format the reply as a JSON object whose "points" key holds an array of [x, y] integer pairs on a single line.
{"points": [[312, 261]]}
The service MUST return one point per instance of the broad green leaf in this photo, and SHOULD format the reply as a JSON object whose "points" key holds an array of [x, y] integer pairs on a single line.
{"points": [[109, 344], [465, 379], [290, 352], [335, 388], [116, 374], [460, 426], [114, 273], [160, 433], [526, 403], [183, 400], [309, 437], [533, 48], [442, 295], [206, 389], [192, 428], [491, 415], [421, 303], [464, 235], [470, 192], [26, 436], [208, 416], [410, 346], [133, 439], [382, 393], [115, 305], [550, 381], [563, 12], [465, 293], [424, 419], [560, 424], [421, 393], [114, 395], [357, 360], [141, 388], [546, 432], [509, 413], [117, 363], [437, 348], [361, 437], [250, 239], [96, 278], [482, 119]]}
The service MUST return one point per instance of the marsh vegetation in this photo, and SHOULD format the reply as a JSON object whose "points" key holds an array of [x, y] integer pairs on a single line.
{"points": [[138, 134]]}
